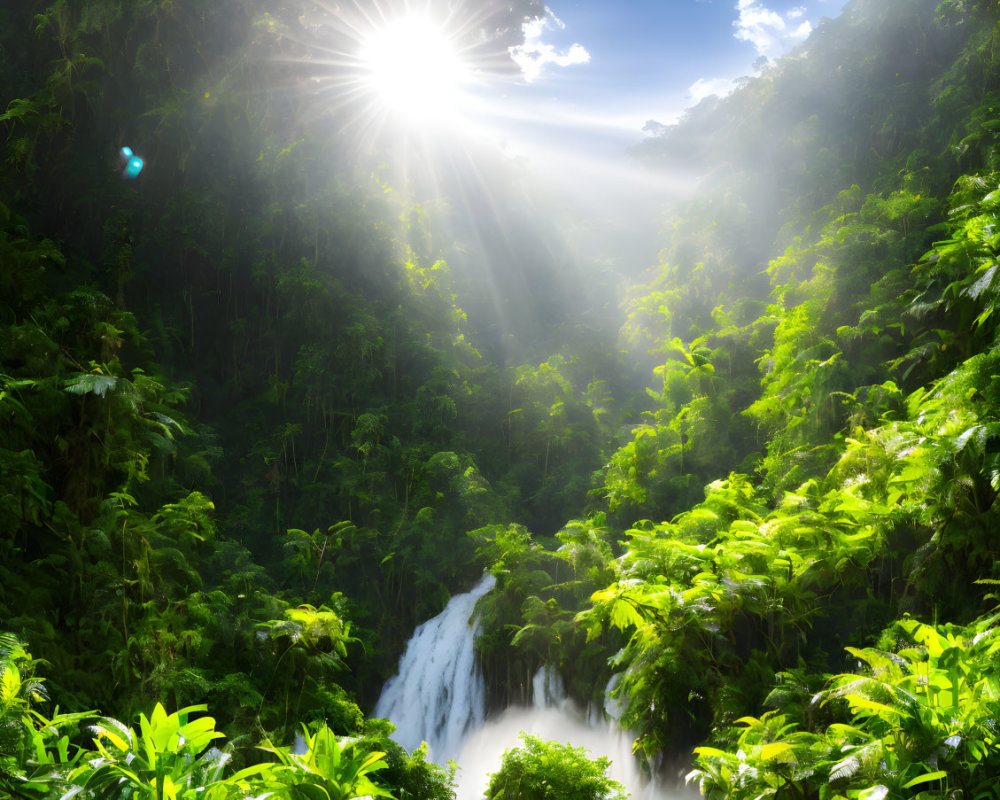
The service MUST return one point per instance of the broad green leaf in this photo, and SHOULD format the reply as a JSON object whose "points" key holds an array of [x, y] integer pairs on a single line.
{"points": [[863, 703], [712, 752], [87, 383], [926, 778], [624, 614], [10, 684], [775, 749]]}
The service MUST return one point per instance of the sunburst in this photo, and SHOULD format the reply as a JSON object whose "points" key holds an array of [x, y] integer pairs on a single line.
{"points": [[414, 70]]}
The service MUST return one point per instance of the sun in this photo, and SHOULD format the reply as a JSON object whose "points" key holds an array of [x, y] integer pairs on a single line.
{"points": [[413, 69]]}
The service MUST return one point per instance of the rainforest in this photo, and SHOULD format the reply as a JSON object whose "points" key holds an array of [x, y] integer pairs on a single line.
{"points": [[293, 359]]}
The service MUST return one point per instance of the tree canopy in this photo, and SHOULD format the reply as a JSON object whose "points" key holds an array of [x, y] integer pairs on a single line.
{"points": [[263, 409]]}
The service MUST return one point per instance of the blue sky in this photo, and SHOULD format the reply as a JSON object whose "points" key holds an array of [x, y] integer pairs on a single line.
{"points": [[610, 65], [593, 72]]}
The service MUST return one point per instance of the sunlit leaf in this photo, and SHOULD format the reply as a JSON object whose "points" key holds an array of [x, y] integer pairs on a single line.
{"points": [[774, 749], [926, 778]]}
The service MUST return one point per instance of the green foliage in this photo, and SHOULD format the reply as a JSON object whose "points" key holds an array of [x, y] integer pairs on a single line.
{"points": [[251, 406], [19, 692], [726, 579], [410, 775], [172, 756], [733, 575], [330, 768], [540, 770], [168, 757], [916, 721], [527, 618]]}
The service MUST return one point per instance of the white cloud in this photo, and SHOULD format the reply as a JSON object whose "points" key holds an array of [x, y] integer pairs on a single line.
{"points": [[533, 29], [534, 55], [706, 87], [768, 31]]}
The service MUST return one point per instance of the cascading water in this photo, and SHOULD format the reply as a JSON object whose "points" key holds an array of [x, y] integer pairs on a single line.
{"points": [[547, 688], [439, 696]]}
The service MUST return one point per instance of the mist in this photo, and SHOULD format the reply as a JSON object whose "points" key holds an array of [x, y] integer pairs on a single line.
{"points": [[312, 313]]}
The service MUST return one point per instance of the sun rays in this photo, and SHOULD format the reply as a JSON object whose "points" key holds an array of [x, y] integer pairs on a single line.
{"points": [[391, 69], [414, 70]]}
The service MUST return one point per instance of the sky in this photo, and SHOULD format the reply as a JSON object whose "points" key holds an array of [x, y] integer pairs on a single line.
{"points": [[592, 74], [605, 67]]}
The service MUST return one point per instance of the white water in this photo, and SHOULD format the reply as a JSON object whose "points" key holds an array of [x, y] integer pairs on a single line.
{"points": [[547, 688], [438, 696], [484, 749]]}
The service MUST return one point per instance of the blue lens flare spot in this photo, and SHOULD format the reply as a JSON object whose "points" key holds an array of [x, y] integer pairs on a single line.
{"points": [[133, 164], [134, 167]]}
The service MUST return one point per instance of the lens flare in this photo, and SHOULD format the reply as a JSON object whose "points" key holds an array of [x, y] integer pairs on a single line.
{"points": [[133, 164]]}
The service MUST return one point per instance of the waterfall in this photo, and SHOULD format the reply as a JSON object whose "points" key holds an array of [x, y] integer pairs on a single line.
{"points": [[438, 696], [553, 717], [547, 688]]}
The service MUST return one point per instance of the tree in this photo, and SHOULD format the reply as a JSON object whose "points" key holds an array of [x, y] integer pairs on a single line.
{"points": [[541, 770]]}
